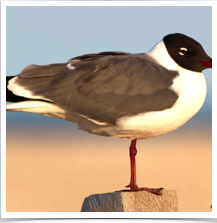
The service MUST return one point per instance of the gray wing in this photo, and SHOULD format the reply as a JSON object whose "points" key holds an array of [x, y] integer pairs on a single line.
{"points": [[103, 86]]}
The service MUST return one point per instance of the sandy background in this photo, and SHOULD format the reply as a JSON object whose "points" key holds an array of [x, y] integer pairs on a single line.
{"points": [[52, 172]]}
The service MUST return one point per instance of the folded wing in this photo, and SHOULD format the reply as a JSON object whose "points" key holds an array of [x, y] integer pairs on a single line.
{"points": [[101, 87]]}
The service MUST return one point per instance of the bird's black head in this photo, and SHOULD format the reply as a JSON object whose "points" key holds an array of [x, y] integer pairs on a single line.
{"points": [[187, 52]]}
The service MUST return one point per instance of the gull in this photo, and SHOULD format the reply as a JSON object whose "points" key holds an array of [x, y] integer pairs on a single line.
{"points": [[118, 94]]}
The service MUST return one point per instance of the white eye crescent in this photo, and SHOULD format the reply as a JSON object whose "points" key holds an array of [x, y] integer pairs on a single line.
{"points": [[183, 51]]}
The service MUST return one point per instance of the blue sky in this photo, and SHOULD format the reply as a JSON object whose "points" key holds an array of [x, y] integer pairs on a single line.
{"points": [[44, 35]]}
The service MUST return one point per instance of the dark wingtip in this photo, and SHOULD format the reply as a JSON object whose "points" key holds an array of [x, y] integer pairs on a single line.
{"points": [[10, 97]]}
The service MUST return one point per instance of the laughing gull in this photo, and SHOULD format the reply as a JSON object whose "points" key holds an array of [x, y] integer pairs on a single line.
{"points": [[118, 94]]}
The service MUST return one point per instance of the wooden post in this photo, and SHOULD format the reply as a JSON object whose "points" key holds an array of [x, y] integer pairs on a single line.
{"points": [[127, 201]]}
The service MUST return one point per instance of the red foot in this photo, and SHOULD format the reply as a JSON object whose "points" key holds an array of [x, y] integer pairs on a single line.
{"points": [[157, 191]]}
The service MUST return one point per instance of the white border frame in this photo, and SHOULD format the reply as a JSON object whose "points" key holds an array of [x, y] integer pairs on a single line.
{"points": [[5, 214]]}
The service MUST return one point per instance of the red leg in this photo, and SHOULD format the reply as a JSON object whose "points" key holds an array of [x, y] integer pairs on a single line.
{"points": [[133, 186], [133, 151]]}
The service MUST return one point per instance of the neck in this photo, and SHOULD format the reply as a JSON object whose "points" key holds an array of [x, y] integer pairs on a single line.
{"points": [[160, 54]]}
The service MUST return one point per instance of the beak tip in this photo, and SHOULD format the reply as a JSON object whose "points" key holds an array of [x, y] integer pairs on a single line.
{"points": [[206, 64]]}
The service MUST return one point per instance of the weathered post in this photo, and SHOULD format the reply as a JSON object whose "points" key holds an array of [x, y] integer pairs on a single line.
{"points": [[127, 201]]}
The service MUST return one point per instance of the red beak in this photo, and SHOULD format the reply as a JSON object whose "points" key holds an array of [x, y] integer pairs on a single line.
{"points": [[207, 64]]}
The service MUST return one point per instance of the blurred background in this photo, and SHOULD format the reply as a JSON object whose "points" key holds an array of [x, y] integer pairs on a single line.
{"points": [[53, 166]]}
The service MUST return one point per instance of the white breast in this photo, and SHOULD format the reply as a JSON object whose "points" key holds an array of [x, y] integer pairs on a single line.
{"points": [[191, 88]]}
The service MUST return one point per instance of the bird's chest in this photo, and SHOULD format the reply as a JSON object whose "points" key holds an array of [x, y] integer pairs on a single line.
{"points": [[191, 88]]}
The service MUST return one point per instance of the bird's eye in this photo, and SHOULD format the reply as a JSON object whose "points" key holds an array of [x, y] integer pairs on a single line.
{"points": [[183, 51]]}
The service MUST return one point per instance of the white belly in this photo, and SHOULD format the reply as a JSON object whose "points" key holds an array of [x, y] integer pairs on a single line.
{"points": [[191, 87]]}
